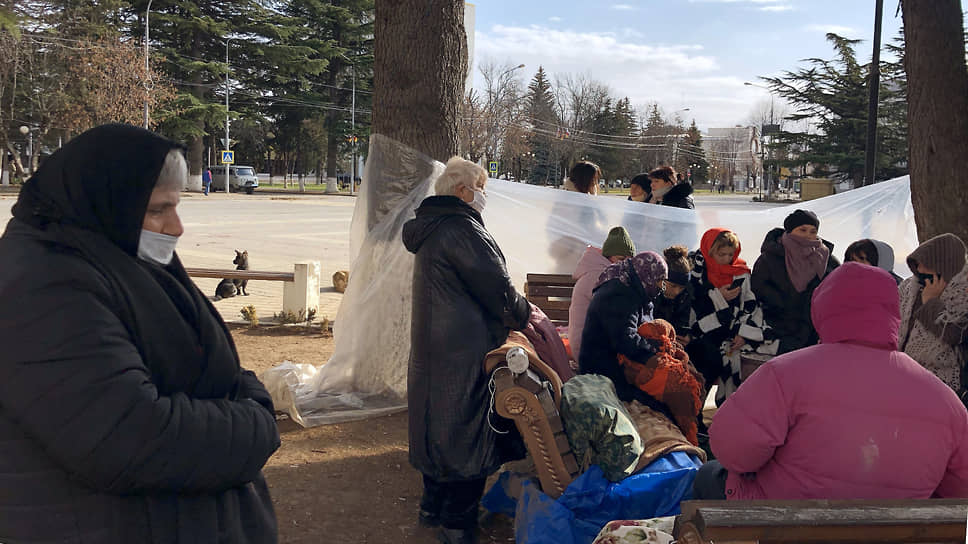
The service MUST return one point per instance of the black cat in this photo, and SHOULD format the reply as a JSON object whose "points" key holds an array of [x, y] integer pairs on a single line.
{"points": [[230, 287]]}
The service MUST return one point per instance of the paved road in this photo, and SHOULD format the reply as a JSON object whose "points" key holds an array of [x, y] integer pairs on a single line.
{"points": [[279, 230], [276, 230]]}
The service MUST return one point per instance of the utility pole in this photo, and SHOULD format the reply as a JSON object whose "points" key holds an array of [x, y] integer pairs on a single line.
{"points": [[870, 156], [228, 143], [147, 69]]}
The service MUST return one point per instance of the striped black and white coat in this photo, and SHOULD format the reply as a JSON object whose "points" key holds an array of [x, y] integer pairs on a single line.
{"points": [[715, 322]]}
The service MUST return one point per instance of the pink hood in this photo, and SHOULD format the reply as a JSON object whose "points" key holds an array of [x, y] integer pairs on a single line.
{"points": [[857, 303], [591, 261], [850, 418], [589, 267]]}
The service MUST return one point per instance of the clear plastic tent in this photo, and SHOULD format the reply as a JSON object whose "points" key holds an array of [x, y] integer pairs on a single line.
{"points": [[539, 229]]}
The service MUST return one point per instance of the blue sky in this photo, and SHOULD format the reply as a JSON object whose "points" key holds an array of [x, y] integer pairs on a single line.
{"points": [[692, 54]]}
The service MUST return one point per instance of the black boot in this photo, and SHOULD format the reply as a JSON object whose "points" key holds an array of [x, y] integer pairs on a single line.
{"points": [[457, 536]]}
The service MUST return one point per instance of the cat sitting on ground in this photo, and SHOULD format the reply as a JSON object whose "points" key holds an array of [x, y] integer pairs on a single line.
{"points": [[230, 287]]}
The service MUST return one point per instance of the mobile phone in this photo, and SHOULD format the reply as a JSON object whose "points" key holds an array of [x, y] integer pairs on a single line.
{"points": [[923, 278], [736, 283]]}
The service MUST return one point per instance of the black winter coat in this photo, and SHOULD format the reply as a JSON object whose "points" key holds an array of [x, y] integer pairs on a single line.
{"points": [[784, 309], [463, 307], [124, 413], [677, 311], [611, 328], [680, 196]]}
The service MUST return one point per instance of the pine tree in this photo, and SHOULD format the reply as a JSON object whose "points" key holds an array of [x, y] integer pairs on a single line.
{"points": [[693, 155], [833, 94], [544, 119]]}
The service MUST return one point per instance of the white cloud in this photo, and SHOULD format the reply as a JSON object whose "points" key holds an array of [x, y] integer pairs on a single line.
{"points": [[836, 29], [624, 7], [777, 8], [737, 1], [674, 75], [555, 19]]}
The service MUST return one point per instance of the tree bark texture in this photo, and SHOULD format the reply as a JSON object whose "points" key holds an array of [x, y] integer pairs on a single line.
{"points": [[420, 64], [937, 81]]}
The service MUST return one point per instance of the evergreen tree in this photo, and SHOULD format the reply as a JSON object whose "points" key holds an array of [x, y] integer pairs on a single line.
{"points": [[693, 155], [544, 119], [833, 94]]}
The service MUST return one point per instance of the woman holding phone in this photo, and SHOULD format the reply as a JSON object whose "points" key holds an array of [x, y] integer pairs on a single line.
{"points": [[728, 318], [934, 310]]}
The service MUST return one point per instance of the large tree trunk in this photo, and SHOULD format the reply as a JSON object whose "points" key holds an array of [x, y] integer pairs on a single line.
{"points": [[196, 145], [937, 82], [420, 63]]}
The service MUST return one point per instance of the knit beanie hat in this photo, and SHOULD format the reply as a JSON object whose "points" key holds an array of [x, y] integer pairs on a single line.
{"points": [[945, 254], [618, 243], [643, 181], [800, 217]]}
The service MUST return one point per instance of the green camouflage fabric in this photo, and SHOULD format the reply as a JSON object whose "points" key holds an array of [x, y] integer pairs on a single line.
{"points": [[599, 428]]}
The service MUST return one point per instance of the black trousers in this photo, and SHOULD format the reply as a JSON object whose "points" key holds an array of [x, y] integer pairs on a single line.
{"points": [[455, 503], [710, 482]]}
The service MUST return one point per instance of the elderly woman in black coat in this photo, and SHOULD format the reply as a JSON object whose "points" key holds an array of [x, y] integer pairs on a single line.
{"points": [[124, 413], [464, 305]]}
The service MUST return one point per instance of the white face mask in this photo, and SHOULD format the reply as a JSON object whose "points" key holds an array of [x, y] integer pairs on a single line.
{"points": [[480, 200], [156, 248]]}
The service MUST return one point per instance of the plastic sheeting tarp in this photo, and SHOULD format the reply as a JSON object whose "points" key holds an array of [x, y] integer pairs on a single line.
{"points": [[539, 229], [591, 501]]}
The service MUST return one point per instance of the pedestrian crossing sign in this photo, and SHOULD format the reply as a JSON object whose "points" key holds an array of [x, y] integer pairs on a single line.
{"points": [[228, 157], [492, 166]]}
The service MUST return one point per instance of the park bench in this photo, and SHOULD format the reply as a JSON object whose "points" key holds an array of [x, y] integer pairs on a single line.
{"points": [[300, 288], [551, 293], [838, 521]]}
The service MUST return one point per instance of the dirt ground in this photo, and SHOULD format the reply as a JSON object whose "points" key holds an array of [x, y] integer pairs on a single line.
{"points": [[340, 483]]}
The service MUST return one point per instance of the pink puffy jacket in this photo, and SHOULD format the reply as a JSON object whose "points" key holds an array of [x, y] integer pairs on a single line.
{"points": [[851, 418], [586, 274]]}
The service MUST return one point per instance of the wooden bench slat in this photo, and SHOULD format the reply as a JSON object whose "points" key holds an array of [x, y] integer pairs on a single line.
{"points": [[556, 315], [551, 279], [550, 304], [559, 291], [934, 520], [241, 274]]}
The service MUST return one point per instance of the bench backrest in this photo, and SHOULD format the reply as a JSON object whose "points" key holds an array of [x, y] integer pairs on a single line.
{"points": [[551, 293], [928, 520], [240, 274]]}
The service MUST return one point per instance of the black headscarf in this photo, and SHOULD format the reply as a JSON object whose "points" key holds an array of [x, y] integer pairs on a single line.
{"points": [[100, 181], [91, 196]]}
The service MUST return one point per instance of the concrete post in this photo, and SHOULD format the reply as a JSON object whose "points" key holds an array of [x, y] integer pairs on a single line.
{"points": [[303, 293]]}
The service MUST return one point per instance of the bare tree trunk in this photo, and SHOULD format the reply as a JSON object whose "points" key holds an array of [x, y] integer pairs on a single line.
{"points": [[196, 146], [937, 82], [420, 63]]}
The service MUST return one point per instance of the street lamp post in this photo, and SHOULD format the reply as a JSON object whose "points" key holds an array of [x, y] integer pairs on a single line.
{"points": [[352, 128], [227, 141], [147, 73]]}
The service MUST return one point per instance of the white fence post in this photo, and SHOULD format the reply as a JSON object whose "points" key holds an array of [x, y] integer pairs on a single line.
{"points": [[302, 295]]}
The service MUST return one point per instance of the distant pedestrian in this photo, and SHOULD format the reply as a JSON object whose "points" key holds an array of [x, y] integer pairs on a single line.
{"points": [[583, 178], [640, 188], [206, 180], [667, 192]]}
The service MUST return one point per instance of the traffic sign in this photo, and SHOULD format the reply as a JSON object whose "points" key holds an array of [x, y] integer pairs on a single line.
{"points": [[492, 167], [228, 157]]}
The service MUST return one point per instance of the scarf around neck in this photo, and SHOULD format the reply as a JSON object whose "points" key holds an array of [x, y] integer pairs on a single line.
{"points": [[804, 259], [659, 193], [647, 267], [721, 274]]}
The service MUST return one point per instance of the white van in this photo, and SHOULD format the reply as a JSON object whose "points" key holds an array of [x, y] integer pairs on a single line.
{"points": [[241, 178]]}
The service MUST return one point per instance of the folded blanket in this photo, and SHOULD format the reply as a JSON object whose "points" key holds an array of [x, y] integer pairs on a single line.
{"points": [[669, 377], [547, 343], [659, 435]]}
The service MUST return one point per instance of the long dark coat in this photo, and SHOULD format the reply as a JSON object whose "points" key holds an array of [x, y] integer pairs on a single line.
{"points": [[463, 307], [124, 413], [785, 310]]}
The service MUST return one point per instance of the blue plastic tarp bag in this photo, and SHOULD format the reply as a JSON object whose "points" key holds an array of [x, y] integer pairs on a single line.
{"points": [[591, 501]]}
